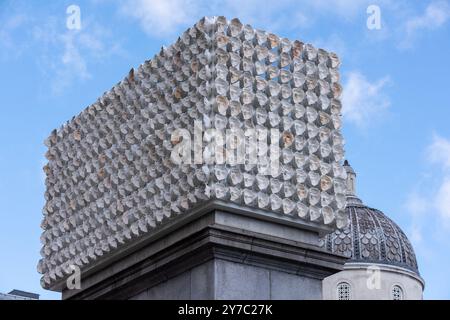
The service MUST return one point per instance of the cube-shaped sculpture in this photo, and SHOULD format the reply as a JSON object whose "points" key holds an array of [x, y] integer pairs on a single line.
{"points": [[226, 113]]}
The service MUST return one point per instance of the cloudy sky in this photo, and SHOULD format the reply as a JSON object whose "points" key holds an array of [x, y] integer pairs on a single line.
{"points": [[396, 101]]}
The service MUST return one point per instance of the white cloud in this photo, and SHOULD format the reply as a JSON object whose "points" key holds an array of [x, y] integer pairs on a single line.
{"points": [[65, 55], [72, 63], [10, 25], [163, 18], [362, 100], [9, 46], [416, 234], [333, 43], [436, 14], [442, 200], [61, 59], [416, 204], [434, 200], [439, 154], [345, 8], [160, 17], [439, 151]]}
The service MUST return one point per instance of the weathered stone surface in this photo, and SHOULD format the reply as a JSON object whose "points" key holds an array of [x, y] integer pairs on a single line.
{"points": [[208, 259], [236, 281], [289, 286]]}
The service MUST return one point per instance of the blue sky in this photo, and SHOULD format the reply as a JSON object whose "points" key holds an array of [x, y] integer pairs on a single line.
{"points": [[396, 102]]}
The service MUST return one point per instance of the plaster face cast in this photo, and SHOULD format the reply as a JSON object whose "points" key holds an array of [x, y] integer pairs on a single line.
{"points": [[231, 146]]}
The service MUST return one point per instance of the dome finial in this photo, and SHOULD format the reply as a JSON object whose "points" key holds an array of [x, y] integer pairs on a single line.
{"points": [[351, 179]]}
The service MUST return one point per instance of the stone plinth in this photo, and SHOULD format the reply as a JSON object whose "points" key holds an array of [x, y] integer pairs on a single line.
{"points": [[220, 252]]}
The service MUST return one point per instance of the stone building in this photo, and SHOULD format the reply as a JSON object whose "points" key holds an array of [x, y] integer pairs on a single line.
{"points": [[19, 295], [382, 262]]}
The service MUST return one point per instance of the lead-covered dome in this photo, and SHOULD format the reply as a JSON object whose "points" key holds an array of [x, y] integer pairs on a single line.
{"points": [[370, 236]]}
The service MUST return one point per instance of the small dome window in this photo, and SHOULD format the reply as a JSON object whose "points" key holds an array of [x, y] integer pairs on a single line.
{"points": [[343, 291], [397, 293]]}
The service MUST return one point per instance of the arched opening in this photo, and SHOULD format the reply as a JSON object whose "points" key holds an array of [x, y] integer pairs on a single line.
{"points": [[343, 291], [397, 293]]}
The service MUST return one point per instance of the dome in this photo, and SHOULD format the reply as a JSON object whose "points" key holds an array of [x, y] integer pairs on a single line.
{"points": [[371, 236]]}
